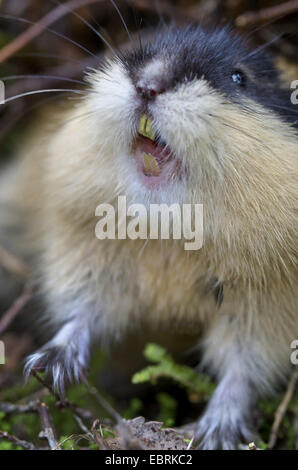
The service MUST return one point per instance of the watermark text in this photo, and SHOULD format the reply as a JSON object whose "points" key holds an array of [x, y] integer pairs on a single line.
{"points": [[162, 221], [294, 355], [2, 353], [294, 95], [2, 92]]}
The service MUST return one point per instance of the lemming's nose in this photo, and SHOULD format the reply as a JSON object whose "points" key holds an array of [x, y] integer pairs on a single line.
{"points": [[148, 92]]}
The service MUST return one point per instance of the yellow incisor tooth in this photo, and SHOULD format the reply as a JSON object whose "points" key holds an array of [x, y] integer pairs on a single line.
{"points": [[146, 127], [150, 165]]}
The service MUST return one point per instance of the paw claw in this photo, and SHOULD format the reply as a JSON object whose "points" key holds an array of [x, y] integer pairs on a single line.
{"points": [[63, 364]]}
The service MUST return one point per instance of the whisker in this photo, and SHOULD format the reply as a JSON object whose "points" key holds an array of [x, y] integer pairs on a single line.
{"points": [[250, 109], [122, 19], [263, 26], [52, 31], [248, 135], [107, 35], [36, 92], [73, 12], [267, 44], [19, 116], [292, 110], [47, 55], [160, 14], [54, 77], [143, 247], [264, 46], [138, 29]]}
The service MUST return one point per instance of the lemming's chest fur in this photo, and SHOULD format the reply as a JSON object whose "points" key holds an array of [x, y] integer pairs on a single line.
{"points": [[131, 282]]}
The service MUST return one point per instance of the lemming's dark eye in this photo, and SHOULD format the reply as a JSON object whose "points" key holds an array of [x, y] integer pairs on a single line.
{"points": [[238, 78]]}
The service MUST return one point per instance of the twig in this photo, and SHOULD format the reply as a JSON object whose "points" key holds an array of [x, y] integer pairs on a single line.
{"points": [[48, 431], [266, 14], [18, 442], [78, 411], [281, 410], [13, 264], [101, 401], [130, 442], [97, 437], [10, 408], [45, 384], [82, 426], [37, 28], [62, 442], [16, 308], [33, 31], [36, 406], [80, 414]]}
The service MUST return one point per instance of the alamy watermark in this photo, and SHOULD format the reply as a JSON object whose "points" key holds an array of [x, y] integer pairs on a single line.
{"points": [[2, 353], [294, 95], [294, 355], [164, 222], [2, 92]]}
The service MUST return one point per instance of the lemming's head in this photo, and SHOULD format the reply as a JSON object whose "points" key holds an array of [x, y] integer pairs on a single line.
{"points": [[179, 111]]}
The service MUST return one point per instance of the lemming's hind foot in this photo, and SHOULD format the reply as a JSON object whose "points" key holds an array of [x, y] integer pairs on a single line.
{"points": [[214, 431], [227, 419], [64, 361]]}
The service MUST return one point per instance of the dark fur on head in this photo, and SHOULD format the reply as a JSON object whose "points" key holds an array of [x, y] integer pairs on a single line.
{"points": [[216, 55]]}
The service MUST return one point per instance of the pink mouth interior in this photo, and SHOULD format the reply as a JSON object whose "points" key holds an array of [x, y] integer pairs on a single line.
{"points": [[160, 152], [164, 159]]}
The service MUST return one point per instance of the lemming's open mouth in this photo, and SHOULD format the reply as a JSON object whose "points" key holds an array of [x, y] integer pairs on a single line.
{"points": [[155, 160]]}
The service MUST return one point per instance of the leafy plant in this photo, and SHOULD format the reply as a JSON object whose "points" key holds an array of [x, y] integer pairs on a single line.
{"points": [[165, 367]]}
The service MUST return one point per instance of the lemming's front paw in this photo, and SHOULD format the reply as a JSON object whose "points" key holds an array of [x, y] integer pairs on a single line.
{"points": [[63, 364], [222, 429]]}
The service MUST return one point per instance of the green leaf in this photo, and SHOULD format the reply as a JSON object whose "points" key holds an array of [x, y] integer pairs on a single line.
{"points": [[165, 367], [155, 353]]}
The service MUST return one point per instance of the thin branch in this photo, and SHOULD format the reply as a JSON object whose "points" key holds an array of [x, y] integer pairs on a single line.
{"points": [[36, 29], [48, 431], [16, 308], [281, 410], [82, 426], [267, 14], [46, 385], [130, 442], [97, 437], [62, 442], [77, 410], [18, 442], [10, 408], [101, 401]]}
